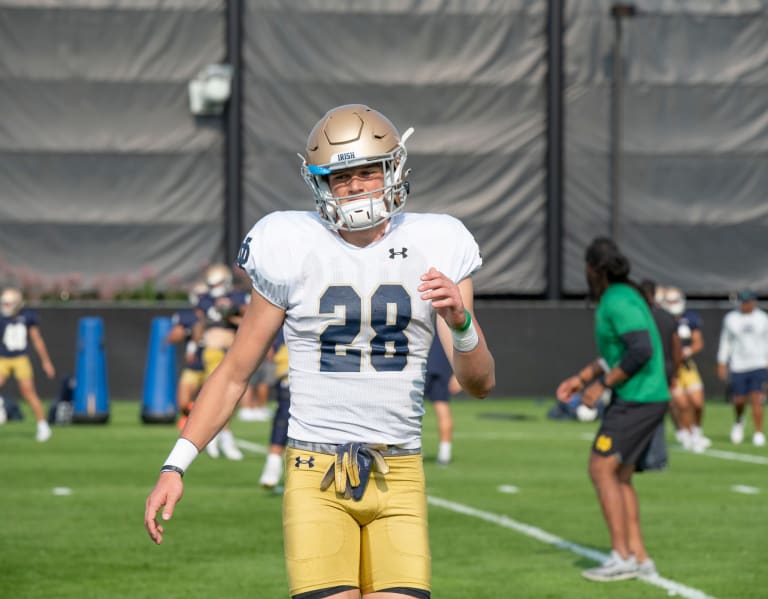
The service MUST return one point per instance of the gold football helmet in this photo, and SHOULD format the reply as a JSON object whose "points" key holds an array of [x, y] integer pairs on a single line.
{"points": [[11, 301], [218, 277], [349, 136]]}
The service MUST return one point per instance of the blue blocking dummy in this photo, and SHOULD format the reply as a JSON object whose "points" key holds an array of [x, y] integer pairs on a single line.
{"points": [[91, 397], [159, 398]]}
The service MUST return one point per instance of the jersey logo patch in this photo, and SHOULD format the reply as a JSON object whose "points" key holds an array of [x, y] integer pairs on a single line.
{"points": [[393, 253], [308, 461], [245, 251]]}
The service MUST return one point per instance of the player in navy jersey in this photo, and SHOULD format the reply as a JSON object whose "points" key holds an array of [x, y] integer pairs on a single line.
{"points": [[220, 312], [688, 388], [273, 465], [360, 288], [439, 385], [192, 375], [18, 327]]}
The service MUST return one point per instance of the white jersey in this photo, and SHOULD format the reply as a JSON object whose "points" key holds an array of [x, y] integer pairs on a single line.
{"points": [[744, 341], [357, 331]]}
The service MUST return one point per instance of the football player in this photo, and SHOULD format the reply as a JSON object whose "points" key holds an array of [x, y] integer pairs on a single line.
{"points": [[360, 289], [192, 375], [440, 384], [742, 362], [688, 388], [273, 465], [220, 311], [19, 326]]}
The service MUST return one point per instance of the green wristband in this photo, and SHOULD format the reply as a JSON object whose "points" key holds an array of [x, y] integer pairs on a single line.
{"points": [[466, 324]]}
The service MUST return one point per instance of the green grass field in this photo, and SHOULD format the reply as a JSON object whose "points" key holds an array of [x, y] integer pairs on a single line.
{"points": [[513, 468]]}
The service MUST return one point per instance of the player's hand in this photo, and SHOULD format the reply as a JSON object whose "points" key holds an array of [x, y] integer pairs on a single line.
{"points": [[567, 388], [722, 372], [591, 394], [50, 371], [166, 494], [445, 297]]}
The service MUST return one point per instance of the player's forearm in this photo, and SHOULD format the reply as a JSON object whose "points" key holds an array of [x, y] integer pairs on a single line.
{"points": [[475, 370], [598, 371], [40, 348], [590, 372]]}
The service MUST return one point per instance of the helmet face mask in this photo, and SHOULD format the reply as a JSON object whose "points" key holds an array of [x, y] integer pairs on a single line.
{"points": [[674, 301], [218, 277], [11, 301], [352, 136]]}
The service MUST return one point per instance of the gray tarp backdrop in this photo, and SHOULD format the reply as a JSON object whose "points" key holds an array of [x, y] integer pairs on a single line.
{"points": [[694, 208], [106, 176], [468, 76]]}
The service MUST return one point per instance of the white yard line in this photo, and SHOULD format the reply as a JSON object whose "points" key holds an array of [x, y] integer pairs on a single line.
{"points": [[672, 587], [736, 457], [745, 489], [252, 447], [588, 436]]}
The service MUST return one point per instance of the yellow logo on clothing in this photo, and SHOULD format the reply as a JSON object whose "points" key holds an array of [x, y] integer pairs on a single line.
{"points": [[603, 443]]}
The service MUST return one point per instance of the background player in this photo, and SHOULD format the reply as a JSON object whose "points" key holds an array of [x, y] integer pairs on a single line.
{"points": [[220, 312], [273, 465], [19, 326], [192, 374], [439, 385], [688, 388], [631, 366], [741, 362]]}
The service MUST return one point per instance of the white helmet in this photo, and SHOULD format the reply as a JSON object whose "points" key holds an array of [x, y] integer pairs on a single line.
{"points": [[218, 277], [674, 301], [349, 136], [11, 301]]}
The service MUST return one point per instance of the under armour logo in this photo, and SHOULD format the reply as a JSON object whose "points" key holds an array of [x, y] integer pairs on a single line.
{"points": [[393, 253], [309, 462]]}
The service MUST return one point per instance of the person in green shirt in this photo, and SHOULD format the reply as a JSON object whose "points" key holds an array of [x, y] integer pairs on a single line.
{"points": [[631, 365]]}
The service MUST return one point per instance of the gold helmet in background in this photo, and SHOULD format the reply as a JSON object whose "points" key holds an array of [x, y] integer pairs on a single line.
{"points": [[349, 136], [11, 302], [218, 277], [674, 301]]}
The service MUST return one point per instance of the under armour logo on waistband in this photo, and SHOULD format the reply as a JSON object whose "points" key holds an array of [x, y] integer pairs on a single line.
{"points": [[393, 253], [309, 461]]}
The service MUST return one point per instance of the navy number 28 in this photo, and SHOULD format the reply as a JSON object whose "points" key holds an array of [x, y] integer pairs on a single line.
{"points": [[390, 316]]}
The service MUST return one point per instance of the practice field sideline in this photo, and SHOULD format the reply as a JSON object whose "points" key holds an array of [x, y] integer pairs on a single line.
{"points": [[513, 516]]}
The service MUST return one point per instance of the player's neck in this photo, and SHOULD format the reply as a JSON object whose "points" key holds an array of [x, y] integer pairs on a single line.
{"points": [[364, 238]]}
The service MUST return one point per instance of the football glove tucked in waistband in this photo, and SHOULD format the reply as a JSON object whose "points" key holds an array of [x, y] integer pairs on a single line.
{"points": [[352, 468]]}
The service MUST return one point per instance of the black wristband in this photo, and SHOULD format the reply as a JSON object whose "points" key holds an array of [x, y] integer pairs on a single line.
{"points": [[601, 380], [172, 468]]}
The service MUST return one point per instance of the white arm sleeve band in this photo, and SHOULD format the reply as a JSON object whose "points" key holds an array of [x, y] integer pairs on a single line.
{"points": [[182, 454], [465, 341]]}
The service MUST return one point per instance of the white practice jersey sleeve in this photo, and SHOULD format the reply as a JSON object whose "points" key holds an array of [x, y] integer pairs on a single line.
{"points": [[358, 333]]}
